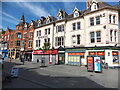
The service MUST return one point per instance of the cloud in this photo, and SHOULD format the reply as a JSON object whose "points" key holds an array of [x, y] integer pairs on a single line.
{"points": [[34, 9], [9, 16], [10, 20]]}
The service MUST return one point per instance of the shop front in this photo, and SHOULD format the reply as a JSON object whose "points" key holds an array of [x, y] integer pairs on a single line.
{"points": [[28, 55], [5, 53], [107, 56], [100, 54], [61, 55], [49, 57], [75, 57]]}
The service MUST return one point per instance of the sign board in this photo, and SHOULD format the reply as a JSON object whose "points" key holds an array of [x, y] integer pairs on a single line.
{"points": [[90, 63], [97, 64], [14, 72]]}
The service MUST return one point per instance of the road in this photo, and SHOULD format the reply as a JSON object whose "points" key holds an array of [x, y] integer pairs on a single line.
{"points": [[59, 76]]}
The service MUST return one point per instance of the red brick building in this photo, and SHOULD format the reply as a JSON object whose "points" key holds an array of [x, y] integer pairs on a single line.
{"points": [[21, 40]]}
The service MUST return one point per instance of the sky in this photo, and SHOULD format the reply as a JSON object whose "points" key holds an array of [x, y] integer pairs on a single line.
{"points": [[12, 11]]}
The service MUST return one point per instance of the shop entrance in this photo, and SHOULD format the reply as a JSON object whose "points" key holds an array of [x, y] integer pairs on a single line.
{"points": [[61, 58]]}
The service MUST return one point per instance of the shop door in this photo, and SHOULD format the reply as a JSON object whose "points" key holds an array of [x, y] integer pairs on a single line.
{"points": [[61, 58]]}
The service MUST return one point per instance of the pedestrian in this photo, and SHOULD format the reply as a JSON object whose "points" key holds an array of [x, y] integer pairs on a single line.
{"points": [[10, 60], [23, 60], [106, 66]]}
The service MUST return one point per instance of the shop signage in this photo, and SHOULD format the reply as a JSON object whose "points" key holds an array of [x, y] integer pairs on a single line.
{"points": [[90, 63], [114, 53], [97, 64], [47, 52], [76, 53], [96, 53], [92, 53], [100, 53]]}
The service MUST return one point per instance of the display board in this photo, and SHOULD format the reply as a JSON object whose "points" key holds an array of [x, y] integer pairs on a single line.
{"points": [[97, 64], [90, 61]]}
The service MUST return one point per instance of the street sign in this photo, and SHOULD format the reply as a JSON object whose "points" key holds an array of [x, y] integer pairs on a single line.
{"points": [[14, 72]]}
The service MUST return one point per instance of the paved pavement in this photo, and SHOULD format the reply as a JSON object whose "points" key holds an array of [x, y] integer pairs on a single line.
{"points": [[61, 76]]}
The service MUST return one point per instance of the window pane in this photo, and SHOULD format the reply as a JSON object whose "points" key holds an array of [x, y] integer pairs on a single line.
{"points": [[74, 26], [92, 37], [78, 25], [97, 20], [78, 39], [91, 21], [98, 35]]}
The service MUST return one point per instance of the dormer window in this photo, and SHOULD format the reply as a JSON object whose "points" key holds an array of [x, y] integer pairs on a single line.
{"points": [[94, 6], [76, 12], [48, 21], [31, 23], [59, 17], [39, 24]]}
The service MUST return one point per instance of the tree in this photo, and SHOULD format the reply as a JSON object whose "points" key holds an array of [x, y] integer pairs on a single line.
{"points": [[46, 47]]}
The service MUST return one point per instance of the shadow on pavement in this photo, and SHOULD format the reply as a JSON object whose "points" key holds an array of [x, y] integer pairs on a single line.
{"points": [[47, 80]]}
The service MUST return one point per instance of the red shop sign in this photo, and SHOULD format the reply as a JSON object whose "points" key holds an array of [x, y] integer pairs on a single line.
{"points": [[92, 53], [47, 52], [114, 53], [100, 53]]}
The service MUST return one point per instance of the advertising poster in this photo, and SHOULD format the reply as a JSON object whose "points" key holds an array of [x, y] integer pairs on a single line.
{"points": [[90, 63], [115, 60], [97, 64]]}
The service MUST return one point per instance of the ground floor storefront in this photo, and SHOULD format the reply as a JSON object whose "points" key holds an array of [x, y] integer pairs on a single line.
{"points": [[78, 56], [48, 57], [14, 53]]}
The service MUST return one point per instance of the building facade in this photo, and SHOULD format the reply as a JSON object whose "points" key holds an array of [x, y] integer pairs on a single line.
{"points": [[93, 31]]}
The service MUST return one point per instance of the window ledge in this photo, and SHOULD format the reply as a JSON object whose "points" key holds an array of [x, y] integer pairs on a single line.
{"points": [[95, 25]]}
